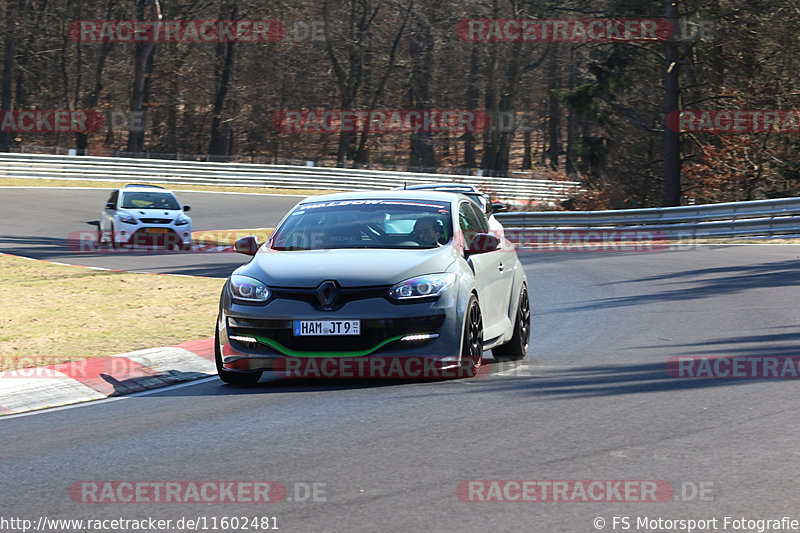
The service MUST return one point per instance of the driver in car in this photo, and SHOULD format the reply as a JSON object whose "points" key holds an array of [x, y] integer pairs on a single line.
{"points": [[427, 231]]}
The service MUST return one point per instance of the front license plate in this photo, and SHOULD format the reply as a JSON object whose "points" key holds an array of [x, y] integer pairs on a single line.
{"points": [[156, 230], [326, 327]]}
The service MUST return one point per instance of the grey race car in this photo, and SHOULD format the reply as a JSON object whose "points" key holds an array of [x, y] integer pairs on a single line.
{"points": [[406, 284]]}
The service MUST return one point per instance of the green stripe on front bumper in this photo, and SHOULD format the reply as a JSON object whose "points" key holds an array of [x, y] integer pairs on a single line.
{"points": [[275, 345]]}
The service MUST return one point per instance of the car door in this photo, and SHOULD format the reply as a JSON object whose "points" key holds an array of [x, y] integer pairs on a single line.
{"points": [[488, 268]]}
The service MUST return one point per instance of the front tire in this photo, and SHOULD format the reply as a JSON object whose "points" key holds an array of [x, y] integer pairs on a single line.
{"points": [[472, 340], [115, 244], [232, 378], [516, 348]]}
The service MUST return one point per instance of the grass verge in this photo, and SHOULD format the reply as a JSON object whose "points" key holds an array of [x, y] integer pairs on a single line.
{"points": [[55, 313]]}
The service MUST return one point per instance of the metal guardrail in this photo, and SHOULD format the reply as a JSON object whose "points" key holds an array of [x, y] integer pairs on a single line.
{"points": [[756, 218], [271, 176]]}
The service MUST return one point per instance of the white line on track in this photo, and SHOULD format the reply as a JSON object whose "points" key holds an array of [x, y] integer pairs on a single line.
{"points": [[103, 269], [178, 386]]}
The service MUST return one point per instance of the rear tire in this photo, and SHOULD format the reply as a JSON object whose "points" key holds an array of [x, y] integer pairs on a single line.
{"points": [[516, 348], [232, 378], [472, 340]]}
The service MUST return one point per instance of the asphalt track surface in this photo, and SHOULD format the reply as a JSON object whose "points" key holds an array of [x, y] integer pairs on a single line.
{"points": [[592, 401], [49, 224]]}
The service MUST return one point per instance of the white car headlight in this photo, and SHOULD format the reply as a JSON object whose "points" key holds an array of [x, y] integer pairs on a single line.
{"points": [[181, 221], [427, 286], [246, 289], [127, 219]]}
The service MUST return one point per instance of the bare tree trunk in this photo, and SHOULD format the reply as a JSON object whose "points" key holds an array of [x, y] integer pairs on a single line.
{"points": [[420, 47], [360, 24], [497, 149], [543, 151], [350, 81], [672, 150], [527, 162], [497, 143], [93, 97], [25, 51], [143, 68], [361, 151], [472, 104], [219, 144], [553, 112], [8, 71], [571, 126], [171, 124], [527, 139], [489, 159]]}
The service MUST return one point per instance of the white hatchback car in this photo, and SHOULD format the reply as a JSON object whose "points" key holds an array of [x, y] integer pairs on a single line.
{"points": [[145, 215], [474, 194]]}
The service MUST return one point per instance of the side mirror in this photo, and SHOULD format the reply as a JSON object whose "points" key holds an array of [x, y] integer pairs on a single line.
{"points": [[246, 245], [187, 208], [111, 205], [488, 205], [483, 243], [499, 208]]}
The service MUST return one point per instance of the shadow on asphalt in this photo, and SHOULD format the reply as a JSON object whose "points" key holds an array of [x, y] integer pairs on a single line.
{"points": [[269, 385], [532, 381], [598, 381], [692, 285], [525, 380], [35, 247], [138, 384], [612, 380], [278, 385], [740, 346]]}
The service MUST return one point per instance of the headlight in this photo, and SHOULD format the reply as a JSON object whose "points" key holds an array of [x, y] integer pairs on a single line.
{"points": [[428, 286], [247, 289], [181, 221], [128, 219]]}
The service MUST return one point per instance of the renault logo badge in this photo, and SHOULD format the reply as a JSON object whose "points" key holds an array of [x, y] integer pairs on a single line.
{"points": [[327, 294]]}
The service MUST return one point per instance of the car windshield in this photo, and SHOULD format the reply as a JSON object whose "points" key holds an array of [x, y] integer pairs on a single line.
{"points": [[380, 223], [149, 200]]}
